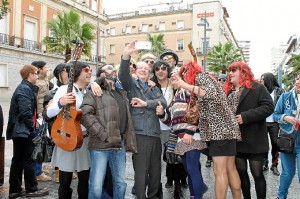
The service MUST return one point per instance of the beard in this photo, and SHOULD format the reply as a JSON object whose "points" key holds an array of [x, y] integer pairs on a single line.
{"points": [[111, 77]]}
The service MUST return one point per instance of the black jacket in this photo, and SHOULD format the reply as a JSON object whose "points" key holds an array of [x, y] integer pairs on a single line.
{"points": [[23, 107], [255, 106]]}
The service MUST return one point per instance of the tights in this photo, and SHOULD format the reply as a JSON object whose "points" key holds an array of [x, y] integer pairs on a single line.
{"points": [[256, 168]]}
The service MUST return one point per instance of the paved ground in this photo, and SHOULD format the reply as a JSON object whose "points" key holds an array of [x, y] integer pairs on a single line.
{"points": [[272, 181]]}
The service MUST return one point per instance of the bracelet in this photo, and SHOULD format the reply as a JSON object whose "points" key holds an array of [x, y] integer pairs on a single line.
{"points": [[193, 89]]}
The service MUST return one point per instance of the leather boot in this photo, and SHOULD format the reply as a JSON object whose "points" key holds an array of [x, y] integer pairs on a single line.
{"points": [[177, 191]]}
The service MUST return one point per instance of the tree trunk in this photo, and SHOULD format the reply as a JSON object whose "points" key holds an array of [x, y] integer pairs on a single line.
{"points": [[68, 54]]}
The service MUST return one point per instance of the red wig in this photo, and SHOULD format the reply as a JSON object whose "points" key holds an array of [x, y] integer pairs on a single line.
{"points": [[189, 71], [246, 76]]}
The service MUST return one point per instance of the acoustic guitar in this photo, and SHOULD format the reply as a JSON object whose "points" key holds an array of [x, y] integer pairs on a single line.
{"points": [[66, 131]]}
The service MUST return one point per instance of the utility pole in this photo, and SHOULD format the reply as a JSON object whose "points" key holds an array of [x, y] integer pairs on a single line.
{"points": [[204, 23]]}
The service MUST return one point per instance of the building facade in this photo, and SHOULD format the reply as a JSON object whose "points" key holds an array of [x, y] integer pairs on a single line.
{"points": [[25, 26], [245, 46], [180, 24], [277, 53]]}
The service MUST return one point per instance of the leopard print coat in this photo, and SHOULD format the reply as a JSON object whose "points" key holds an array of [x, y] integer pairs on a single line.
{"points": [[217, 122]]}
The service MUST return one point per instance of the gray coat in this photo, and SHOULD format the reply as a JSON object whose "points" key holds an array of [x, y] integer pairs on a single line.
{"points": [[145, 120]]}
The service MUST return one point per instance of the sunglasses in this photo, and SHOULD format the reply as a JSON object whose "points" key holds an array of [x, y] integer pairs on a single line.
{"points": [[87, 69], [167, 57], [133, 65], [222, 80], [163, 68], [233, 70], [149, 61]]}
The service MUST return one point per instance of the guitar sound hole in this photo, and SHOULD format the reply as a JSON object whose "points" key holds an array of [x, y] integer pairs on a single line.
{"points": [[63, 133]]}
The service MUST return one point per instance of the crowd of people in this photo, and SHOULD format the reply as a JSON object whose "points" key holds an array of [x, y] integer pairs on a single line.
{"points": [[141, 107]]}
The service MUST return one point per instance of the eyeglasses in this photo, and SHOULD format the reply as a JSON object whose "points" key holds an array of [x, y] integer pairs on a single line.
{"points": [[233, 70], [149, 61], [143, 67], [167, 57], [87, 69], [163, 68], [35, 73]]}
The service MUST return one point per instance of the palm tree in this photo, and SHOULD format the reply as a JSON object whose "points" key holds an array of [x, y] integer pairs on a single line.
{"points": [[221, 56], [65, 30], [4, 8], [158, 45], [294, 65]]}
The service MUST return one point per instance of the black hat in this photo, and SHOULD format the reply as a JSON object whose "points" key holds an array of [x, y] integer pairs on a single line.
{"points": [[169, 52]]}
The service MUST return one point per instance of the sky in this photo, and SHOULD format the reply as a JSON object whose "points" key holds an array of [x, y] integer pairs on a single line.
{"points": [[266, 23]]}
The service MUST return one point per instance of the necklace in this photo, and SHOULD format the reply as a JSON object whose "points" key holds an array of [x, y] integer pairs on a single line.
{"points": [[166, 89]]}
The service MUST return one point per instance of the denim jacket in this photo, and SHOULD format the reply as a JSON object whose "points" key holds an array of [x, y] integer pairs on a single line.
{"points": [[286, 106]]}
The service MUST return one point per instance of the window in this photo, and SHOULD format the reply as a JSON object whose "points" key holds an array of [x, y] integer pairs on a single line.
{"points": [[180, 44], [30, 35], [112, 49], [180, 24], [144, 28], [162, 26], [113, 31], [3, 25], [30, 30], [4, 78], [128, 29], [94, 5]]}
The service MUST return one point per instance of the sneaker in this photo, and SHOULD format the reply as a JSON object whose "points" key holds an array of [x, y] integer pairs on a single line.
{"points": [[275, 171], [43, 177], [38, 193], [16, 195]]}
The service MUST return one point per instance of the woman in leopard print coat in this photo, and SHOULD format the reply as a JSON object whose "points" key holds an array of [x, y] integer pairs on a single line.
{"points": [[219, 128]]}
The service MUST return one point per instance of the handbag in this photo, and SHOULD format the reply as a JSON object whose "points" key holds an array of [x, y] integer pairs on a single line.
{"points": [[286, 142], [43, 145], [192, 113], [169, 156]]}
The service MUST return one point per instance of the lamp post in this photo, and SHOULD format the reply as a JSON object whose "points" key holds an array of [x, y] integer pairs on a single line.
{"points": [[204, 23]]}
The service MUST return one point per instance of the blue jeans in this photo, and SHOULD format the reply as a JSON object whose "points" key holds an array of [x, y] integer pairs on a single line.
{"points": [[117, 163], [38, 168], [288, 164], [191, 163]]}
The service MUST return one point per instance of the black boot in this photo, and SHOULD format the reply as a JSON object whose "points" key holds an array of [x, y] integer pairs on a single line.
{"points": [[177, 191]]}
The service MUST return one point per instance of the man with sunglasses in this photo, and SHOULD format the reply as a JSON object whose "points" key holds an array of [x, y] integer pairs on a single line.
{"points": [[170, 57], [144, 100], [149, 59]]}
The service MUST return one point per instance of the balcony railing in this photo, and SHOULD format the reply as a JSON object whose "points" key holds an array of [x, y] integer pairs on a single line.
{"points": [[30, 45], [7, 39], [100, 58]]}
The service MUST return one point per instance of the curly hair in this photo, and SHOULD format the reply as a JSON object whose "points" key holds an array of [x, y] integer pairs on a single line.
{"points": [[246, 76], [189, 71]]}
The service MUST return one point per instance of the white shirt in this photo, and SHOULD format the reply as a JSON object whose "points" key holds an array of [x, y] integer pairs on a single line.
{"points": [[270, 118]]}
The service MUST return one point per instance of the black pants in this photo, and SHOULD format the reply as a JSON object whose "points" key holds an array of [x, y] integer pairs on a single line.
{"points": [[22, 163], [176, 173], [65, 179], [273, 128], [147, 165]]}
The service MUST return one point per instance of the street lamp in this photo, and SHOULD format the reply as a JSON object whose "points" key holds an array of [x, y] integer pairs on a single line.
{"points": [[204, 23]]}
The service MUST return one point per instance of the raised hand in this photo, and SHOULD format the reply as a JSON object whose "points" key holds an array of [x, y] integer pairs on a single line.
{"points": [[159, 109]]}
